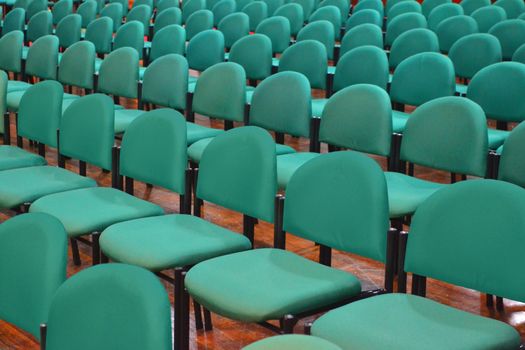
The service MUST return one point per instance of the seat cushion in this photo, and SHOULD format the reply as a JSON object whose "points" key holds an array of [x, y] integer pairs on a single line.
{"points": [[196, 149], [249, 96], [66, 103], [93, 209], [124, 117], [275, 61], [266, 284], [292, 342], [169, 241], [14, 157], [331, 70], [409, 322], [497, 138], [25, 51], [16, 85], [13, 99], [461, 89], [406, 193], [98, 63], [287, 164], [142, 70], [196, 132], [318, 106], [25, 185], [399, 121]]}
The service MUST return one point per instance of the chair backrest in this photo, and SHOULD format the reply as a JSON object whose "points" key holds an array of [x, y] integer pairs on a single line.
{"points": [[511, 35], [39, 25], [342, 5], [149, 3], [442, 12], [154, 150], [257, 11], [205, 50], [234, 26], [469, 6], [391, 3], [427, 139], [238, 171], [466, 252], [358, 117], [412, 42], [273, 5], [61, 9], [513, 8], [142, 14], [119, 73], [403, 23], [321, 31], [124, 4], [454, 28], [277, 28], [307, 5], [34, 7], [309, 58], [42, 58], [77, 66], [240, 4], [119, 292], [168, 40], [350, 72], [355, 184], [40, 111], [369, 5], [222, 9], [191, 6], [403, 7], [254, 54], [295, 15], [172, 15], [115, 12], [220, 92], [165, 82], [428, 5], [4, 78], [511, 164], [519, 54], [275, 108], [503, 104], [68, 30], [364, 17], [488, 16], [423, 77], [14, 20], [23, 4], [197, 22], [130, 34], [87, 130], [474, 52], [32, 266], [329, 13], [361, 35], [166, 4], [99, 32], [11, 45], [88, 11]]}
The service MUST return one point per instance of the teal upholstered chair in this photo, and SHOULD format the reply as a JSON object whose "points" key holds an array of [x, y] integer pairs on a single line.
{"points": [[369, 5], [343, 6], [401, 24], [488, 16], [254, 54], [277, 28], [454, 28], [291, 342], [391, 3], [248, 291], [11, 45], [513, 8], [33, 266], [131, 35], [412, 42], [88, 11], [165, 4], [511, 166], [428, 5], [446, 231], [39, 25], [122, 293], [295, 15], [402, 8], [257, 11], [115, 12], [364, 17], [470, 6], [197, 22], [61, 9], [68, 30], [77, 66], [321, 31], [191, 6], [222, 9], [511, 35], [172, 15], [362, 35], [34, 7], [168, 40], [273, 5], [149, 3], [234, 26], [307, 5], [14, 20], [124, 4], [142, 14], [100, 33], [203, 51], [331, 14], [442, 12], [519, 54]]}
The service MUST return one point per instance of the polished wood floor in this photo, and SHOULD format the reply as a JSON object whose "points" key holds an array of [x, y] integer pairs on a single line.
{"points": [[232, 335]]}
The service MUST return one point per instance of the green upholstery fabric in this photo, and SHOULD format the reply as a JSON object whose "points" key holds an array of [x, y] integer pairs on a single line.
{"points": [[410, 322], [428, 5], [273, 5], [500, 104], [42, 58], [295, 15], [205, 50], [130, 35], [4, 79], [402, 8], [119, 292], [124, 5], [196, 133], [292, 342], [88, 11], [169, 40], [442, 12], [166, 18], [254, 54], [39, 25], [519, 54], [190, 7], [13, 157], [169, 241], [165, 4], [488, 16], [77, 65], [197, 22], [391, 3], [399, 121], [99, 32], [307, 5], [454, 28], [367, 16], [11, 46], [369, 5], [511, 35], [318, 105], [222, 9], [33, 246], [511, 165], [25, 185], [165, 81], [287, 164], [266, 284], [15, 85], [331, 14], [36, 6], [342, 6], [276, 28], [497, 138], [364, 34], [470, 6], [68, 30], [119, 73], [89, 210], [308, 57], [115, 12], [61, 9], [124, 117], [474, 52], [401, 24], [142, 14], [14, 20], [234, 26], [412, 42], [321, 31], [274, 108], [358, 117], [513, 8], [247, 174], [257, 11]]}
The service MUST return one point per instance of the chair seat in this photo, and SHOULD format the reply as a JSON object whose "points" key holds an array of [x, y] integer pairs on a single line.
{"points": [[16, 85], [124, 117], [93, 209], [266, 284], [499, 150], [147, 44], [25, 185], [25, 51], [169, 241], [318, 106], [13, 99], [331, 70], [406, 193], [12, 157], [195, 150], [409, 322], [497, 138], [287, 165], [275, 62], [67, 102], [142, 70], [98, 63], [292, 342], [399, 121], [461, 89], [196, 132]]}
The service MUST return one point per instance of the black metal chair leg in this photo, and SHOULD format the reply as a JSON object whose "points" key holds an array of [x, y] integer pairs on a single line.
{"points": [[208, 325], [197, 311], [499, 304], [95, 248], [288, 323], [490, 300], [75, 252]]}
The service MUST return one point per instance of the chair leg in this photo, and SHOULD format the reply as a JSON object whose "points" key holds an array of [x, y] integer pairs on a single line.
{"points": [[95, 253], [43, 336], [499, 304], [288, 323], [489, 300], [208, 325], [182, 312], [75, 252], [197, 311]]}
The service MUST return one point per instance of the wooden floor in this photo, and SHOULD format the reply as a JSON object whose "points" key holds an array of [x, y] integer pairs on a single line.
{"points": [[232, 335]]}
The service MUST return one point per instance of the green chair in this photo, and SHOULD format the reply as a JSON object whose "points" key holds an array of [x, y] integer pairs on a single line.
{"points": [[11, 46], [428, 5], [240, 4], [391, 3], [234, 27], [191, 6], [115, 12], [209, 3], [222, 9], [273, 5], [68, 30], [292, 342], [364, 17], [197, 22], [412, 42], [168, 40], [172, 15], [88, 11], [403, 23], [34, 7], [330, 14], [32, 268], [511, 167], [488, 16], [124, 4], [203, 51], [144, 2], [427, 141], [470, 6], [130, 35], [342, 5], [519, 54], [294, 14], [321, 31], [100, 33], [134, 303], [254, 54], [39, 25], [24, 4], [277, 28], [451, 240], [308, 7], [513, 8], [249, 283], [402, 8], [257, 11], [503, 105], [511, 35], [362, 35], [142, 14], [77, 66], [454, 28], [442, 12], [472, 53], [14, 20], [369, 5], [61, 9], [419, 79], [166, 4]]}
